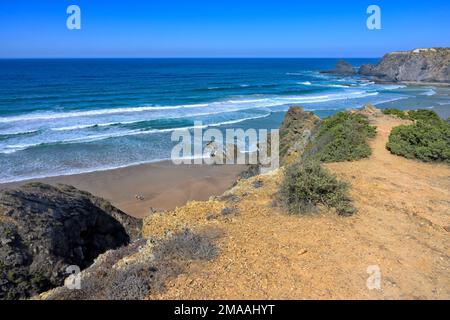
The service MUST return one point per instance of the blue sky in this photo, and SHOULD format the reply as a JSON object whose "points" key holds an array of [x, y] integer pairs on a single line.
{"points": [[219, 28]]}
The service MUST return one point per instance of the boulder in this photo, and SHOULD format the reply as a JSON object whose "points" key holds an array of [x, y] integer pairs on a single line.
{"points": [[45, 229], [342, 67], [366, 69]]}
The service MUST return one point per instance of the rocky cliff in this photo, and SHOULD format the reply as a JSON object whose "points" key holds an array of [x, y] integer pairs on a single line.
{"points": [[419, 65], [44, 229], [296, 131]]}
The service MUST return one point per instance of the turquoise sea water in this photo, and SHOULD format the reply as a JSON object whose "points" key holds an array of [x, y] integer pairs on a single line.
{"points": [[70, 116]]}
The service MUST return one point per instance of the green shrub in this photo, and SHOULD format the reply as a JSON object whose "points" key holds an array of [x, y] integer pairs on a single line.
{"points": [[420, 114], [306, 184], [342, 137], [424, 115], [397, 113], [425, 140]]}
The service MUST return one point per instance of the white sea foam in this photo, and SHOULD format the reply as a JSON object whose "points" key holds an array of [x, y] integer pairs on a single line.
{"points": [[429, 93], [244, 103], [239, 104], [72, 114], [338, 85], [390, 100], [392, 87], [331, 85], [13, 133], [94, 125], [78, 171], [366, 83], [239, 120], [8, 149]]}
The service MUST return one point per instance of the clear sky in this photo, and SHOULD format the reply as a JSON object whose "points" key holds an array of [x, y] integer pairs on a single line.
{"points": [[219, 28]]}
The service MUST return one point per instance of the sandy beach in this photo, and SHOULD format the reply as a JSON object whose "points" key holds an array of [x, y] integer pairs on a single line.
{"points": [[160, 185]]}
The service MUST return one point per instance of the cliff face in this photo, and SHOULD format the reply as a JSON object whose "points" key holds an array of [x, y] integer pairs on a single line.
{"points": [[420, 65], [295, 133], [45, 229]]}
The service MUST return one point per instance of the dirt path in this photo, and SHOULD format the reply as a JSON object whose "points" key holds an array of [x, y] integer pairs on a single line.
{"points": [[402, 227]]}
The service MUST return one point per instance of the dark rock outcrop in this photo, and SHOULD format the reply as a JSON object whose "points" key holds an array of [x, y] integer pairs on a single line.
{"points": [[296, 132], [44, 229], [342, 67], [366, 70], [420, 65]]}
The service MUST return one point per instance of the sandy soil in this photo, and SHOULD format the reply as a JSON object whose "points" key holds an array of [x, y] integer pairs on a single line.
{"points": [[161, 185], [402, 227]]}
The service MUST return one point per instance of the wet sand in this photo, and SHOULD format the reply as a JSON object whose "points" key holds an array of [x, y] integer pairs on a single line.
{"points": [[160, 185]]}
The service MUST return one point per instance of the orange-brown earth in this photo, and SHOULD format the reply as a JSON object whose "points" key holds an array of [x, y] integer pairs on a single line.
{"points": [[402, 226]]}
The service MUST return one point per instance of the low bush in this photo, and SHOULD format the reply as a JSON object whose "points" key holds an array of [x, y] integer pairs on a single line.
{"points": [[417, 115], [426, 140], [424, 115], [342, 137], [397, 113], [307, 184]]}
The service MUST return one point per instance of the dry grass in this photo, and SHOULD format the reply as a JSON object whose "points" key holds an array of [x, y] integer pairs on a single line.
{"points": [[260, 252], [403, 207]]}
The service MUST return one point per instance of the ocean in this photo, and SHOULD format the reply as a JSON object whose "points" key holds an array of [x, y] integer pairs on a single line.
{"points": [[67, 116]]}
